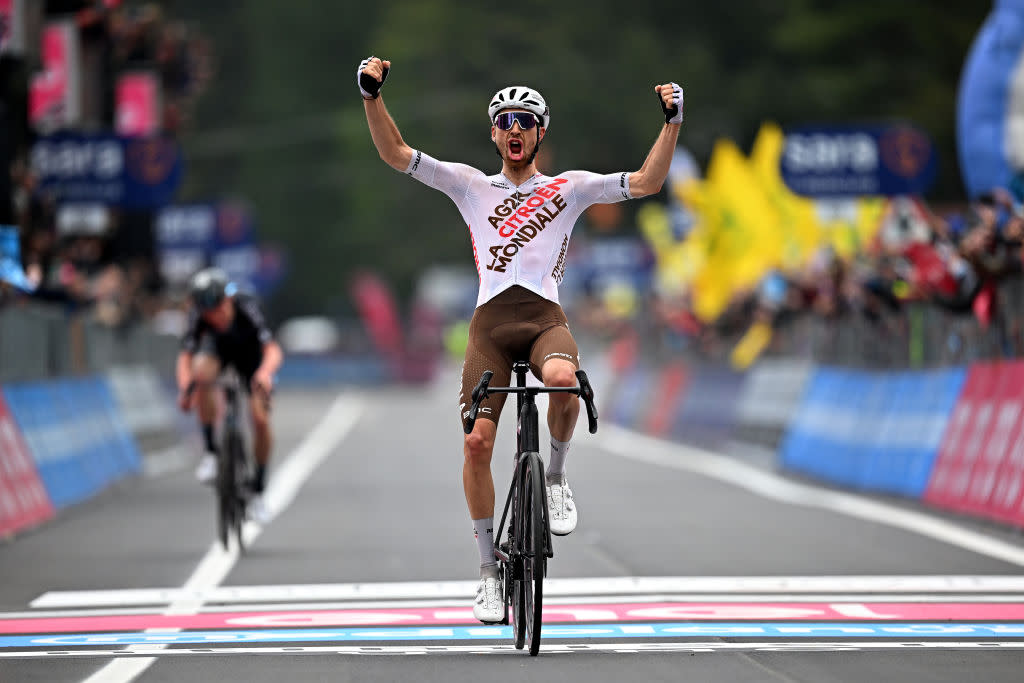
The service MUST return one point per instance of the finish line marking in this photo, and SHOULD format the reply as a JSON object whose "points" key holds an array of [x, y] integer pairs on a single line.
{"points": [[797, 630], [555, 588], [568, 613], [546, 649]]}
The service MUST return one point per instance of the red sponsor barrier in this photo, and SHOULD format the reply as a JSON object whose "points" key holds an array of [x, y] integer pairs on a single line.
{"points": [[671, 390], [981, 460], [23, 500]]}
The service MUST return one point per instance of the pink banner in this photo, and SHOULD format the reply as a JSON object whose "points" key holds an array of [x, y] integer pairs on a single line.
{"points": [[566, 613], [138, 103], [23, 500], [55, 92], [6, 24], [379, 312]]}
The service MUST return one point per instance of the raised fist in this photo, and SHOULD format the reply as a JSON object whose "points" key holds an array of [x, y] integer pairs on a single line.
{"points": [[370, 76]]}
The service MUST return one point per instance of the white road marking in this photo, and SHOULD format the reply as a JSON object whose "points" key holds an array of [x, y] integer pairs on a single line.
{"points": [[554, 588], [547, 648], [643, 448], [215, 565]]}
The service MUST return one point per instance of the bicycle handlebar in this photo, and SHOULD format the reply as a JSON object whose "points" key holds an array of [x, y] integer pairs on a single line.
{"points": [[587, 394], [478, 395], [482, 391]]}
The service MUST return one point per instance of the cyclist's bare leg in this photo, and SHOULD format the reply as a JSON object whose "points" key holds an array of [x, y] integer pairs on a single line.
{"points": [[477, 481], [205, 368], [262, 437], [563, 409]]}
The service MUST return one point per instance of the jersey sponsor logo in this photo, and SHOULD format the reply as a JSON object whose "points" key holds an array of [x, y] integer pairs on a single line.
{"points": [[525, 223], [559, 271], [509, 215], [500, 185], [416, 162]]}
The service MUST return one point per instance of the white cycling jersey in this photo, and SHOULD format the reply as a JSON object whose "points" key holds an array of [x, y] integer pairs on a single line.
{"points": [[520, 233]]}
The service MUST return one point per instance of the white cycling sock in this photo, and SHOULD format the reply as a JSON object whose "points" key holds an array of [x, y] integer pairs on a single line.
{"points": [[483, 530], [556, 466]]}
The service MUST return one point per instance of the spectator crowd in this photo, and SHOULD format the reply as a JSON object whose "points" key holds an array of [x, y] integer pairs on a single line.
{"points": [[914, 285], [95, 257]]}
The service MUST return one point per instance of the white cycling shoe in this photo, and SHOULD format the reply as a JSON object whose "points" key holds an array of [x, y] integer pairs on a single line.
{"points": [[489, 606], [561, 508], [257, 510], [206, 470]]}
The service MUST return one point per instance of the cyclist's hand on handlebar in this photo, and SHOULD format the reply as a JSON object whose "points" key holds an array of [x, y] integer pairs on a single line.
{"points": [[370, 76], [670, 96], [262, 382]]}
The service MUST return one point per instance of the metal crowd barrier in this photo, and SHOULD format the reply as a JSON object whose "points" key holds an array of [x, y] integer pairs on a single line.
{"points": [[44, 341]]}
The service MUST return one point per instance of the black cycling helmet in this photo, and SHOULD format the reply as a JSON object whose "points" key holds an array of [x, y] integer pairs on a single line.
{"points": [[209, 287]]}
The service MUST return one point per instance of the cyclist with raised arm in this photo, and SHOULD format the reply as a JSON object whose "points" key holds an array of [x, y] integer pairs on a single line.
{"points": [[519, 222], [227, 328]]}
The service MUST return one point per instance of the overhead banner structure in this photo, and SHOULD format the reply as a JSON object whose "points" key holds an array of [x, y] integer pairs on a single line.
{"points": [[858, 161], [990, 103]]}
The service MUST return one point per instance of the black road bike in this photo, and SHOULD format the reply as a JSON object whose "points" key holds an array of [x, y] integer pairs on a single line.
{"points": [[235, 469], [523, 556], [234, 465]]}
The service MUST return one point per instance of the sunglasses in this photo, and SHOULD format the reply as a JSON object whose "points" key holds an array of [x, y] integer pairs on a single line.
{"points": [[506, 119]]}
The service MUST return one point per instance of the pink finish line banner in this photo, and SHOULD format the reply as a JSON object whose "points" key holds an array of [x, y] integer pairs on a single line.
{"points": [[665, 611]]}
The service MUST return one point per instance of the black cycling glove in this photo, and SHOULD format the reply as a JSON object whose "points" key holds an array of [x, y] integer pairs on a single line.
{"points": [[673, 114], [368, 85]]}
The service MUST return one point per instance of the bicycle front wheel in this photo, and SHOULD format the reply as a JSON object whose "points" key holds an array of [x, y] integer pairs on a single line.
{"points": [[238, 483], [225, 496], [535, 547]]}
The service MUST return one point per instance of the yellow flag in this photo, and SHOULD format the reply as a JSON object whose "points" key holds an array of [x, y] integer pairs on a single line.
{"points": [[751, 345], [799, 228]]}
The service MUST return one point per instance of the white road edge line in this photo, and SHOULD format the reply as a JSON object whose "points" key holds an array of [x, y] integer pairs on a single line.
{"points": [[570, 588], [641, 447], [215, 565]]}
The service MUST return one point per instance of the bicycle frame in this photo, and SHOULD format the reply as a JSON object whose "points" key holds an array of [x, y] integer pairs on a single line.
{"points": [[524, 557], [527, 441]]}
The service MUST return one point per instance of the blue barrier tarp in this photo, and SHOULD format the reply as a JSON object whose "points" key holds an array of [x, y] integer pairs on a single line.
{"points": [[75, 434], [871, 431]]}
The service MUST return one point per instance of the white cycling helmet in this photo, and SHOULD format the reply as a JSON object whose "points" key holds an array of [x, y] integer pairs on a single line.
{"points": [[520, 97]]}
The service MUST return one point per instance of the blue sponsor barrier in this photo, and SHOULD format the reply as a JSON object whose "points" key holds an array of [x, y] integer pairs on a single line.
{"points": [[75, 434], [871, 431], [707, 414]]}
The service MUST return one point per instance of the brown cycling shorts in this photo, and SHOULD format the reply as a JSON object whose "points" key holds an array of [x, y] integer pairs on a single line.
{"points": [[515, 325]]}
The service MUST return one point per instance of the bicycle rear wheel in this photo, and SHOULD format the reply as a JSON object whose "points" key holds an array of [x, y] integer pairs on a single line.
{"points": [[535, 546]]}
